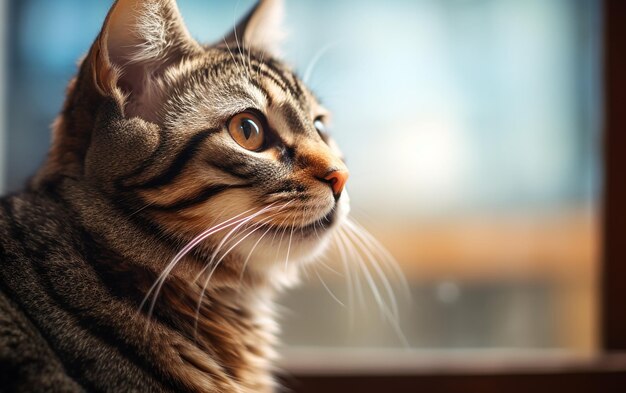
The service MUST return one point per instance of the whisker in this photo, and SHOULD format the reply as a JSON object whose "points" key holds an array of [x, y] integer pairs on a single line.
{"points": [[329, 268], [289, 246], [156, 287], [348, 274], [305, 270], [315, 60], [260, 223], [349, 247], [250, 69], [282, 234], [141, 209], [182, 253], [218, 262], [391, 317], [245, 264], [261, 62], [239, 44], [375, 292], [234, 230], [384, 255], [377, 269], [237, 64], [328, 289], [210, 275]]}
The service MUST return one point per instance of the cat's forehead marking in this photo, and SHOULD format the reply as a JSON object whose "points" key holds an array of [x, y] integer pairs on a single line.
{"points": [[255, 67], [294, 119]]}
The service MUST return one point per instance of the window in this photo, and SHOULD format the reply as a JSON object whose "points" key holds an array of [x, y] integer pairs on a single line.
{"points": [[472, 131]]}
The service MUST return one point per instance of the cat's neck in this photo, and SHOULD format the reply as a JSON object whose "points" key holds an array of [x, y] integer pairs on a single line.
{"points": [[219, 322]]}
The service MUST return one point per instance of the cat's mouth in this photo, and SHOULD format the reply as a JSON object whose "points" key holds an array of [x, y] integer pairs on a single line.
{"points": [[315, 227]]}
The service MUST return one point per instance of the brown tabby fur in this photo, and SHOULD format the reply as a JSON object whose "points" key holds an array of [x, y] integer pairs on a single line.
{"points": [[124, 188]]}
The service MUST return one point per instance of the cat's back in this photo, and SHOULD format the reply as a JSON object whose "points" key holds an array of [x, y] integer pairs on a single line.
{"points": [[58, 316], [27, 362], [35, 227]]}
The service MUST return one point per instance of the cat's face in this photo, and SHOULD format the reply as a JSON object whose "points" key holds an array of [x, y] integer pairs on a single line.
{"points": [[228, 135], [258, 135]]}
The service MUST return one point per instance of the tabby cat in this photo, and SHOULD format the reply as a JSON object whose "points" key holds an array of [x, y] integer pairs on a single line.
{"points": [[185, 186]]}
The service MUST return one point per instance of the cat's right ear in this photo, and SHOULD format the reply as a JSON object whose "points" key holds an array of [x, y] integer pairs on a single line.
{"points": [[140, 39], [261, 28]]}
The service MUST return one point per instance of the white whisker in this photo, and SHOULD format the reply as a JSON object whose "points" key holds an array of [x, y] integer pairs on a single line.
{"points": [[289, 246], [181, 254], [384, 255], [239, 225], [217, 250], [239, 43], [368, 277], [329, 268], [237, 64], [282, 234], [245, 264], [348, 274], [377, 269], [157, 286], [353, 255], [315, 60], [328, 289]]}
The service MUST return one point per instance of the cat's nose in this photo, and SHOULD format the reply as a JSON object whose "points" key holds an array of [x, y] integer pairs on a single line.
{"points": [[337, 180]]}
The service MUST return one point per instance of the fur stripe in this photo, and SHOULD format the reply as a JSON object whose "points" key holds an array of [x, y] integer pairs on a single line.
{"points": [[264, 69], [206, 194], [243, 172], [294, 88], [181, 160], [267, 66], [293, 119]]}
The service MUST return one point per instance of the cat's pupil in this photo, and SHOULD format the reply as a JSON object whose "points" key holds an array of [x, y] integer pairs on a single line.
{"points": [[248, 127]]}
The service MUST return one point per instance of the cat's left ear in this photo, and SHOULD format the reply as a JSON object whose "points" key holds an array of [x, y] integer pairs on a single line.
{"points": [[139, 40], [261, 28]]}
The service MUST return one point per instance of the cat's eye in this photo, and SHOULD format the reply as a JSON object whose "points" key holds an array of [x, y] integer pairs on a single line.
{"points": [[246, 129], [320, 126]]}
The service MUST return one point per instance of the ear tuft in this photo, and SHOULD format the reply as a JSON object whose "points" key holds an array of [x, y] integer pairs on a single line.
{"points": [[144, 31], [261, 28], [140, 39]]}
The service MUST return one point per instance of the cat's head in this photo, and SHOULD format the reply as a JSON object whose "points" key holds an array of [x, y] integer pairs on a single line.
{"points": [[188, 136]]}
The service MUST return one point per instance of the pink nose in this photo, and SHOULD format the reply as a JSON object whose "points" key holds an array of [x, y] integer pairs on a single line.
{"points": [[337, 180]]}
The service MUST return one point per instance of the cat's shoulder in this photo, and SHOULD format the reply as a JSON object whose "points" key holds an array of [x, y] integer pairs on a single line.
{"points": [[27, 364]]}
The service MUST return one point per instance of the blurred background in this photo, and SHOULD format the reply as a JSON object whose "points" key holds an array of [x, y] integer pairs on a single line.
{"points": [[472, 131]]}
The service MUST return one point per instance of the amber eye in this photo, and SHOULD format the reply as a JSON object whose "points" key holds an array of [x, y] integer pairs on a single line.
{"points": [[247, 130]]}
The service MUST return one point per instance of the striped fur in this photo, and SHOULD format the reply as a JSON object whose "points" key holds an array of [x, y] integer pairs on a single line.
{"points": [[141, 163]]}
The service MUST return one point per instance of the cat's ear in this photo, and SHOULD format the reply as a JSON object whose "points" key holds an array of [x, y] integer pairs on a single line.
{"points": [[140, 39], [261, 28]]}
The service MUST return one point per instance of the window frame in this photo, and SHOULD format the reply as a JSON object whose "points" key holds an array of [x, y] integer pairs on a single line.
{"points": [[4, 43], [605, 372], [614, 268]]}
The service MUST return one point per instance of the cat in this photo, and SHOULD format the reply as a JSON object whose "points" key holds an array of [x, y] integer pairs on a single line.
{"points": [[186, 185]]}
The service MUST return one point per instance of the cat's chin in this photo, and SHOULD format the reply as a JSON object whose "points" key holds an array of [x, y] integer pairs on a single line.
{"points": [[295, 248]]}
